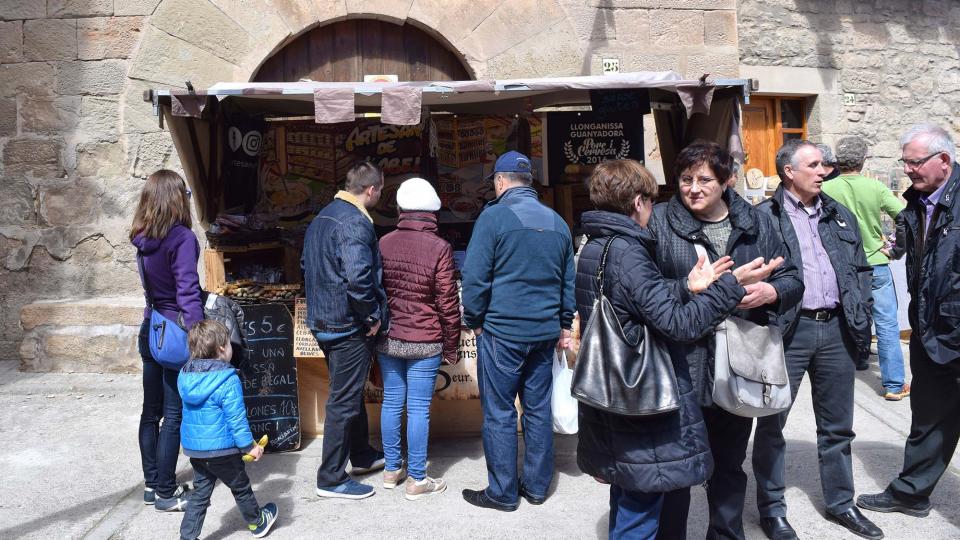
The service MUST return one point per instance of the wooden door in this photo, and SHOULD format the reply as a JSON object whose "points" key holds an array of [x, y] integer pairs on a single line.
{"points": [[759, 136], [347, 50]]}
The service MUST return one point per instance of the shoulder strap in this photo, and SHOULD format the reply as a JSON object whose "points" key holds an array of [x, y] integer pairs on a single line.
{"points": [[603, 264], [143, 280]]}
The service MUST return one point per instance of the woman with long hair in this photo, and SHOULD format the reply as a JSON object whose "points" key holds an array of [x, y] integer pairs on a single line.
{"points": [[168, 251]]}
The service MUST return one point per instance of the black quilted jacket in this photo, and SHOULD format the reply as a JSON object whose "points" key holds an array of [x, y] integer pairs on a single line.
{"points": [[668, 451], [754, 235]]}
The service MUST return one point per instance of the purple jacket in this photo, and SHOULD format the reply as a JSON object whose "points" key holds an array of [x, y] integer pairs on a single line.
{"points": [[170, 266]]}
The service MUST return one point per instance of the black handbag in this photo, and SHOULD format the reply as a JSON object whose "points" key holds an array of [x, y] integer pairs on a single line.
{"points": [[619, 377]]}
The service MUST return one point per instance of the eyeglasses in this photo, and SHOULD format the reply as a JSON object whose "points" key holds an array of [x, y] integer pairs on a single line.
{"points": [[702, 181], [916, 163]]}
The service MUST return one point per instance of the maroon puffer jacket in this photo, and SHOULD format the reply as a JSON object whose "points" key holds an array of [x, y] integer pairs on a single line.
{"points": [[421, 291]]}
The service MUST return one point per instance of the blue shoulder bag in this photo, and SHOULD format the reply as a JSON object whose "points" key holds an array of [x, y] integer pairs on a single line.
{"points": [[168, 339]]}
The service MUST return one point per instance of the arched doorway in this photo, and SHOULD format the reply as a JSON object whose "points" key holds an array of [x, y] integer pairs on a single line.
{"points": [[347, 50]]}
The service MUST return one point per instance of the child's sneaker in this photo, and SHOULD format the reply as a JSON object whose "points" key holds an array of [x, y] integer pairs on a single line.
{"points": [[268, 515], [392, 478], [351, 489], [428, 486]]}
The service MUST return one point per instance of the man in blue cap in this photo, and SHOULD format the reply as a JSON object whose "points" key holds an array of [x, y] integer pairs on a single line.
{"points": [[518, 297]]}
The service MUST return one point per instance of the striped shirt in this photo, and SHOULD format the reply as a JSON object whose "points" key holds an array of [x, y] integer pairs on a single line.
{"points": [[821, 290]]}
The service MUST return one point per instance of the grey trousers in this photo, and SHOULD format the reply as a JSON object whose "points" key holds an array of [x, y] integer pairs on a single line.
{"points": [[825, 351]]}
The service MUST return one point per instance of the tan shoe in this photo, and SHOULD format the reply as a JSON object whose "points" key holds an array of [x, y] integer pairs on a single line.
{"points": [[428, 486], [897, 396], [392, 478]]}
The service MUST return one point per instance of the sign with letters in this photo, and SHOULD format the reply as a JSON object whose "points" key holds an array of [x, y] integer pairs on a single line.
{"points": [[578, 141], [269, 376]]}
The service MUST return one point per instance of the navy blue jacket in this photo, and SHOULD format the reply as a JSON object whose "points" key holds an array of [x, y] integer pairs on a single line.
{"points": [[518, 276], [343, 272], [668, 451], [841, 240], [933, 272], [214, 415]]}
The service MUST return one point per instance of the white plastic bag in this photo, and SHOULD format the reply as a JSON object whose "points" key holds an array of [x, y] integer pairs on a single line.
{"points": [[562, 402]]}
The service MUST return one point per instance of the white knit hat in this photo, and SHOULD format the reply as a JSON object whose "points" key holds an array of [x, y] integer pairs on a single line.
{"points": [[416, 194]]}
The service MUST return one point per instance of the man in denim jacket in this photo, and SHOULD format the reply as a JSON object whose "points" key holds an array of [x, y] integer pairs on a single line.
{"points": [[346, 308]]}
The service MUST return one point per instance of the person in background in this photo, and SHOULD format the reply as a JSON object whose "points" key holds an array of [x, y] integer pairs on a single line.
{"points": [[644, 457], [518, 283], [706, 211], [418, 276], [346, 308], [169, 251], [932, 216], [822, 336], [216, 432], [829, 162], [867, 199]]}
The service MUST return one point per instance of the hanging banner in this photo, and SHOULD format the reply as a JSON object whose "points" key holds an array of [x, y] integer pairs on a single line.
{"points": [[578, 141]]}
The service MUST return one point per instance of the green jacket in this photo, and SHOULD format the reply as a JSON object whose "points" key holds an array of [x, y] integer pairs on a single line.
{"points": [[866, 198]]}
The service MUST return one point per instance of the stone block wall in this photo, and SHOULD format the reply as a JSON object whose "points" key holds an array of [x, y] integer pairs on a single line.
{"points": [[898, 63], [76, 139]]}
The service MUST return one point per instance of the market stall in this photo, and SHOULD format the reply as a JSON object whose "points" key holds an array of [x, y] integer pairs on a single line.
{"points": [[263, 158]]}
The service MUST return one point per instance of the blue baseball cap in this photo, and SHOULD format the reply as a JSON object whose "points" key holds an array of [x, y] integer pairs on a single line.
{"points": [[512, 162]]}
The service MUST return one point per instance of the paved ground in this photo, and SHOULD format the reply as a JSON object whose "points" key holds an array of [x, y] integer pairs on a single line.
{"points": [[71, 470]]}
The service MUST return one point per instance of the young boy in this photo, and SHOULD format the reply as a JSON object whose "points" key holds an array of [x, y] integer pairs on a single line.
{"points": [[214, 431]]}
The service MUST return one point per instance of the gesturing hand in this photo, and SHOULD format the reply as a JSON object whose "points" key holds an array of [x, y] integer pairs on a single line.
{"points": [[756, 271], [703, 274], [758, 294]]}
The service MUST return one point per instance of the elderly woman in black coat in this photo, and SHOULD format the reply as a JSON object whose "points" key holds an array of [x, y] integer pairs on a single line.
{"points": [[643, 457], [708, 212]]}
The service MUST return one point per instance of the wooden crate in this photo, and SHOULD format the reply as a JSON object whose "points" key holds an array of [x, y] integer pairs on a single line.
{"points": [[447, 417]]}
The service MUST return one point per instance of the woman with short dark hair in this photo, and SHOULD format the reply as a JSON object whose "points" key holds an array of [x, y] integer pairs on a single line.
{"points": [[644, 457], [706, 211], [169, 251]]}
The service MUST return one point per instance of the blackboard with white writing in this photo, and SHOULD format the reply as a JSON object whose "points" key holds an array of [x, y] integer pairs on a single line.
{"points": [[269, 376]]}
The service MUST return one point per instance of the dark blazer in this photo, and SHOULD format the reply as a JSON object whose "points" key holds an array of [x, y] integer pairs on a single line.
{"points": [[933, 271], [664, 452], [841, 240], [753, 235]]}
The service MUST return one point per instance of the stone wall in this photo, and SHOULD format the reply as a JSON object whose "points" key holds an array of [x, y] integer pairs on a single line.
{"points": [[898, 63], [76, 139]]}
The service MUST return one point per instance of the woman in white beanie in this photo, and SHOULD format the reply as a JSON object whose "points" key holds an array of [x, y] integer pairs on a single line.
{"points": [[418, 275]]}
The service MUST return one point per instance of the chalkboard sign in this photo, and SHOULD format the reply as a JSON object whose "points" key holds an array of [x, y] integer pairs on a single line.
{"points": [[269, 376], [620, 101]]}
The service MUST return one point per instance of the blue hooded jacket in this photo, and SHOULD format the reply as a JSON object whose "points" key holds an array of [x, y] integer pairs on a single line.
{"points": [[214, 415]]}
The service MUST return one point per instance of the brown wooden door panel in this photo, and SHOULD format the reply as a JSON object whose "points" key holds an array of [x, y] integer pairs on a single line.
{"points": [[758, 136], [347, 50]]}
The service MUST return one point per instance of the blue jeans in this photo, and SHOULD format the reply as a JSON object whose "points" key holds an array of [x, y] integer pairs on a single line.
{"points": [[159, 442], [206, 471], [634, 515], [410, 381], [888, 329], [506, 369]]}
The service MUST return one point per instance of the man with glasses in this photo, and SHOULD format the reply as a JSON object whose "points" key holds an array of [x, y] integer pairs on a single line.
{"points": [[932, 219], [822, 336], [867, 199]]}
